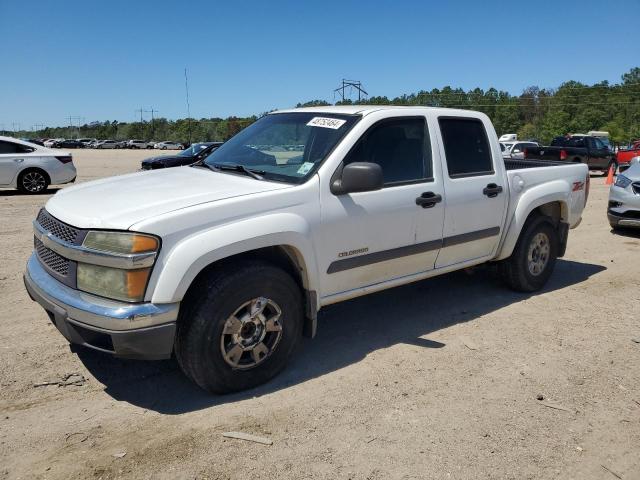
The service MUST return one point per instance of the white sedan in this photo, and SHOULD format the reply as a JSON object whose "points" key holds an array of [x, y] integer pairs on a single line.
{"points": [[168, 146], [32, 168]]}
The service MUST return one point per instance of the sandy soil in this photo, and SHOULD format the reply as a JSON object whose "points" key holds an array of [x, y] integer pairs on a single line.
{"points": [[438, 379]]}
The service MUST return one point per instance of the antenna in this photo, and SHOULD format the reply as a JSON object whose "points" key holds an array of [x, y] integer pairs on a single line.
{"points": [[186, 88], [351, 84]]}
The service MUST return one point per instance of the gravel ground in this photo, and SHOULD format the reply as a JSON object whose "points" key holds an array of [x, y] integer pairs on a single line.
{"points": [[438, 379]]}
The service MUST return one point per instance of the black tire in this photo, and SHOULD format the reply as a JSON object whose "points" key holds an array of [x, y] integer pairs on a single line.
{"points": [[210, 303], [515, 270], [33, 181]]}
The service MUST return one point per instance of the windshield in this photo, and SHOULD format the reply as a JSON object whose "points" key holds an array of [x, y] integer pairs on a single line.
{"points": [[193, 150], [287, 147], [605, 141]]}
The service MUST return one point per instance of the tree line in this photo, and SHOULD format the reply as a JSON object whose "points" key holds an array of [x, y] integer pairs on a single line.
{"points": [[537, 113]]}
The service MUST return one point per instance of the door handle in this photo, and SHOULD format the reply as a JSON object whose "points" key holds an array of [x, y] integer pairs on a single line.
{"points": [[492, 190], [428, 199]]}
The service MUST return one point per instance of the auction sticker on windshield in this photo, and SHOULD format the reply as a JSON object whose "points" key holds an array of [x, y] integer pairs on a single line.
{"points": [[324, 122], [304, 169]]}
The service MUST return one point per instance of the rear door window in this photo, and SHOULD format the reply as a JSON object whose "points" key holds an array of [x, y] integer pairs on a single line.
{"points": [[466, 147]]}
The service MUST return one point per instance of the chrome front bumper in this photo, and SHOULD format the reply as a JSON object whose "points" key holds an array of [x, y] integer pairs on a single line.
{"points": [[142, 330]]}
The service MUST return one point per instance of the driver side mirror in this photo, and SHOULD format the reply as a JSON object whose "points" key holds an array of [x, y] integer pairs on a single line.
{"points": [[358, 177]]}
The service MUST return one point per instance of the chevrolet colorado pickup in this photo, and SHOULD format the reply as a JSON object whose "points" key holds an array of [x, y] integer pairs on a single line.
{"points": [[226, 263], [578, 149]]}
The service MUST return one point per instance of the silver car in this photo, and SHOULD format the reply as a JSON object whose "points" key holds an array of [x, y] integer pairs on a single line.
{"points": [[514, 150], [624, 198], [32, 168]]}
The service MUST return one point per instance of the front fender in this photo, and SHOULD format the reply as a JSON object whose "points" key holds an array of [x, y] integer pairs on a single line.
{"points": [[188, 257], [548, 192]]}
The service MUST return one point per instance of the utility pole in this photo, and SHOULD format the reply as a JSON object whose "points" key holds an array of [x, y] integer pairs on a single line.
{"points": [[141, 110], [351, 84], [71, 125], [152, 111], [15, 130]]}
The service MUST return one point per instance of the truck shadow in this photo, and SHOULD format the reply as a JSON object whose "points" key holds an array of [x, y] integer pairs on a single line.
{"points": [[18, 193], [347, 333]]}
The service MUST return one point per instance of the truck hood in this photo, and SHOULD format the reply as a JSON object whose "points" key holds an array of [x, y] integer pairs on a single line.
{"points": [[119, 202]]}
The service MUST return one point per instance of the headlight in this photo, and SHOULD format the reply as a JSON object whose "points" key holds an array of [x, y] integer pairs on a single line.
{"points": [[127, 285], [120, 242], [124, 284], [622, 181]]}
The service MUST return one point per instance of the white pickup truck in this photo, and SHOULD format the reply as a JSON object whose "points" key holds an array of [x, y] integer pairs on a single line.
{"points": [[226, 263]]}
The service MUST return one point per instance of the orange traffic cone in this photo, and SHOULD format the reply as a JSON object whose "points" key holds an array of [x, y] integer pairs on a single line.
{"points": [[610, 176]]}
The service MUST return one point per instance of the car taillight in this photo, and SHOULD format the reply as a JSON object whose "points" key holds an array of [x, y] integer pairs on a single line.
{"points": [[66, 159], [563, 154]]}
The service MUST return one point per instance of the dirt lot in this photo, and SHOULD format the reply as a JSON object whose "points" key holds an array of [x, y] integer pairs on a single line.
{"points": [[437, 379]]}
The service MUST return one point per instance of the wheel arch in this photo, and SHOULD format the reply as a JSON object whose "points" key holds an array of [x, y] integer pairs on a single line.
{"points": [[553, 206], [287, 257]]}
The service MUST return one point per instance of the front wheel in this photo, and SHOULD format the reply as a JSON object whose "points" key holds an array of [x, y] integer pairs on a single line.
{"points": [[239, 326], [534, 256]]}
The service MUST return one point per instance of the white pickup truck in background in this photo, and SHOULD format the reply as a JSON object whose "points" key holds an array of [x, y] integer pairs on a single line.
{"points": [[226, 263]]}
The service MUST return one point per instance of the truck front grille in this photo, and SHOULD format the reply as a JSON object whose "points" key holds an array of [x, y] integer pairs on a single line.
{"points": [[59, 267], [58, 229], [51, 259]]}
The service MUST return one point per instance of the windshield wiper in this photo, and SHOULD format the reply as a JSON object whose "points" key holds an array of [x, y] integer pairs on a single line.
{"points": [[257, 174]]}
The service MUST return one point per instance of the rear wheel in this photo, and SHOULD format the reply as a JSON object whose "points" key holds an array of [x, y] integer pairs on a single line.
{"points": [[33, 181], [239, 327], [534, 256]]}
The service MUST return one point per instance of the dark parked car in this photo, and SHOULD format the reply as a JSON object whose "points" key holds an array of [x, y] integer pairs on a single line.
{"points": [[194, 153], [579, 149], [69, 144]]}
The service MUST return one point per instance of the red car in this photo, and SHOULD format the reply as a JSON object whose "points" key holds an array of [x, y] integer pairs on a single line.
{"points": [[623, 157]]}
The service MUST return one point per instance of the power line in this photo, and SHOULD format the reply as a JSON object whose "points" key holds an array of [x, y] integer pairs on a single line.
{"points": [[500, 94], [546, 105]]}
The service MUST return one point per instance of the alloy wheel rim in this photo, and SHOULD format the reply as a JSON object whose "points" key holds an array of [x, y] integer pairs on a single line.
{"points": [[538, 254], [34, 182], [251, 334]]}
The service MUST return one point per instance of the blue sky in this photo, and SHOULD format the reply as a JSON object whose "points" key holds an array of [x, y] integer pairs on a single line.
{"points": [[104, 59]]}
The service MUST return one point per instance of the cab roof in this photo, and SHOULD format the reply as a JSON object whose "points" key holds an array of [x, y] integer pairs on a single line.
{"points": [[367, 109]]}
